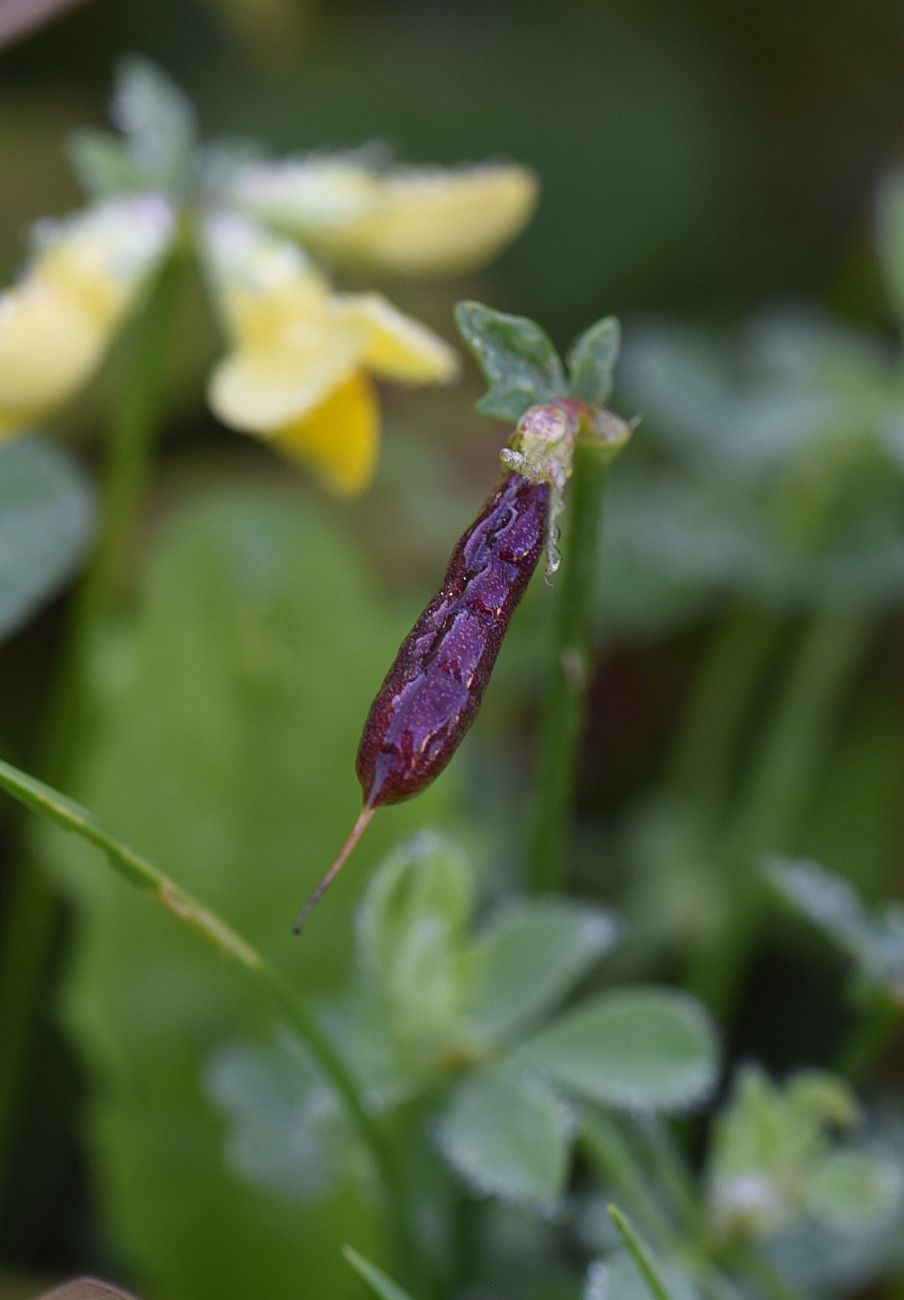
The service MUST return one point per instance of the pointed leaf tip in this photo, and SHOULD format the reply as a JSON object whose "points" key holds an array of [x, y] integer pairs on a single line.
{"points": [[520, 363]]}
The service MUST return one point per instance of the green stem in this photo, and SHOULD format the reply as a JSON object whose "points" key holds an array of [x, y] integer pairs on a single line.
{"points": [[572, 661], [606, 1149], [32, 913], [720, 704], [795, 742], [671, 1172], [147, 878], [866, 1043]]}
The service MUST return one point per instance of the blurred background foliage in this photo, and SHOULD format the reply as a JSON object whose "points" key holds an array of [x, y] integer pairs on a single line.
{"points": [[707, 163]]}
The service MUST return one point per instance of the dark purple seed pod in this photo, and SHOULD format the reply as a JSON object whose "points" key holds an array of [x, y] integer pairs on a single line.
{"points": [[432, 692]]}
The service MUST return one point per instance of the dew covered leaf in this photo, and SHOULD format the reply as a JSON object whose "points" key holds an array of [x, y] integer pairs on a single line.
{"points": [[528, 959], [591, 362], [519, 362], [507, 1135], [223, 748], [47, 513], [643, 1048]]}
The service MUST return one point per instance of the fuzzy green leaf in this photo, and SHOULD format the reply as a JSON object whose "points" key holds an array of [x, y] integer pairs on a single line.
{"points": [[529, 958], [521, 365], [376, 1279], [507, 1135], [591, 362], [46, 522], [158, 120], [646, 1048]]}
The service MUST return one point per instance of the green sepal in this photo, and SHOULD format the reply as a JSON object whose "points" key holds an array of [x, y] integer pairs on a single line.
{"points": [[521, 365], [158, 121], [591, 362], [103, 164]]}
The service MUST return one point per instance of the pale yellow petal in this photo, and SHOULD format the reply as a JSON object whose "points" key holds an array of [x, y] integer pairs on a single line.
{"points": [[103, 256], [56, 323], [260, 389], [262, 284], [49, 343], [398, 346], [437, 222], [340, 439]]}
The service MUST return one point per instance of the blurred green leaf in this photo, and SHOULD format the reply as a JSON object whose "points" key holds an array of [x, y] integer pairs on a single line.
{"points": [[47, 510], [591, 362], [519, 362], [775, 1158], [225, 724], [409, 929], [645, 1048], [875, 941], [528, 958], [102, 163], [376, 1279], [890, 239], [158, 120], [507, 1135], [851, 1191]]}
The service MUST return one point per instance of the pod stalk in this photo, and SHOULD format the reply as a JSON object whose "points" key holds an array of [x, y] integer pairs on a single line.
{"points": [[357, 831]]}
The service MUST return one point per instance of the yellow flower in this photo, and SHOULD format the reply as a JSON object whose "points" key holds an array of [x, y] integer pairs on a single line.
{"points": [[297, 371], [56, 323], [417, 221]]}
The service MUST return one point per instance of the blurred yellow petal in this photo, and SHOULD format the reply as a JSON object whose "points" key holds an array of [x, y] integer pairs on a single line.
{"points": [[103, 256], [263, 284], [398, 346], [436, 223], [262, 388], [56, 323], [340, 439]]}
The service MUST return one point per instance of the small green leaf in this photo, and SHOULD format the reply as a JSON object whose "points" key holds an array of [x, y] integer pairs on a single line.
{"points": [[507, 1135], [158, 120], [46, 523], [425, 880], [647, 1048], [375, 1278], [641, 1255], [851, 1191], [890, 238], [521, 365], [529, 958], [591, 362], [103, 164]]}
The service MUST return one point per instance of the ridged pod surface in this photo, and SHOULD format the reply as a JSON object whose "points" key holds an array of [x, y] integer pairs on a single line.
{"points": [[432, 692]]}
